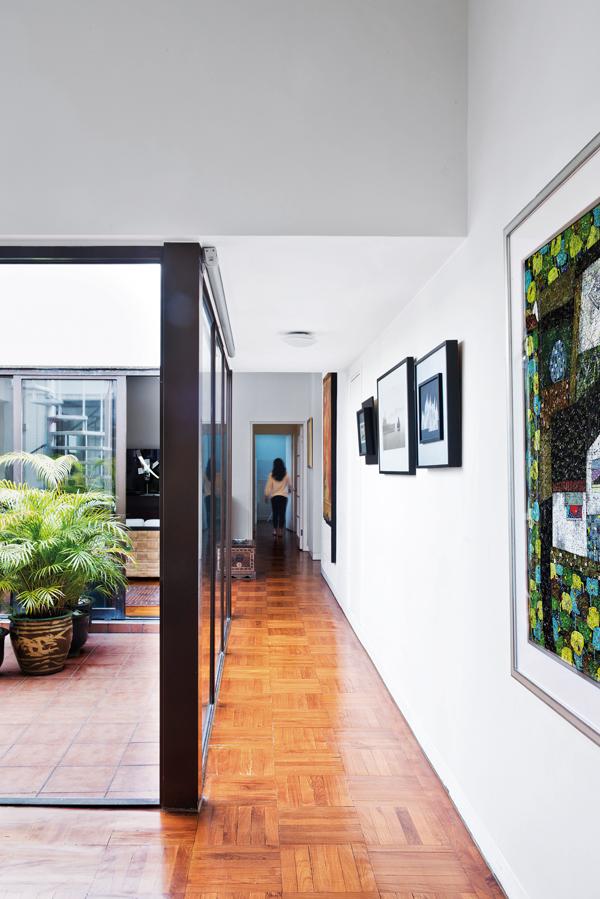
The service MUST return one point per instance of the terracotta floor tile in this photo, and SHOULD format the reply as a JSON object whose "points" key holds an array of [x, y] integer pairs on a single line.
{"points": [[105, 733], [136, 777], [10, 733], [92, 754], [36, 754], [77, 778], [141, 754], [47, 732], [15, 781], [146, 732]]}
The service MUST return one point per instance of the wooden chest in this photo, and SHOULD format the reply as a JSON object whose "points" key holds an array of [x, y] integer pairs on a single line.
{"points": [[146, 553], [242, 559]]}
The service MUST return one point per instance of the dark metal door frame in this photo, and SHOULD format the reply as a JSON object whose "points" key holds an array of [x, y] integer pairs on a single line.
{"points": [[180, 345]]}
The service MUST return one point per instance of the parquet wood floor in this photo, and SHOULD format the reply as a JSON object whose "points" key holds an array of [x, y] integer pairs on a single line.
{"points": [[316, 787]]}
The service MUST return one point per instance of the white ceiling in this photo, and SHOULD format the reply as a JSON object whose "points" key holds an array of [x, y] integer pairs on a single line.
{"points": [[344, 289], [233, 117]]}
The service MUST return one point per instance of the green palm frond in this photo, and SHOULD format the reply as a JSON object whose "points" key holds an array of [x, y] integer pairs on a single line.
{"points": [[57, 546], [42, 599], [53, 472]]}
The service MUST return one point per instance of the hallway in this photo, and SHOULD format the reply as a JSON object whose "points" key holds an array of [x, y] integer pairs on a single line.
{"points": [[315, 784]]}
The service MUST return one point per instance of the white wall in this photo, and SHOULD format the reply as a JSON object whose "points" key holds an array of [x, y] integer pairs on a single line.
{"points": [[192, 118], [432, 602], [261, 398]]}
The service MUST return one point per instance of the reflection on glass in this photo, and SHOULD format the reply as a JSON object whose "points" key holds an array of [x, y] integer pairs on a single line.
{"points": [[73, 416], [218, 513], [205, 517], [6, 415]]}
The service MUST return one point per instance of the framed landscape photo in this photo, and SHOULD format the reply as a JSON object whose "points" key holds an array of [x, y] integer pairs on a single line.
{"points": [[438, 413], [553, 275], [396, 419]]}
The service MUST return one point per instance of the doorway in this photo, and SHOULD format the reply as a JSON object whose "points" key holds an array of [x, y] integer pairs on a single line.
{"points": [[133, 730], [284, 441]]}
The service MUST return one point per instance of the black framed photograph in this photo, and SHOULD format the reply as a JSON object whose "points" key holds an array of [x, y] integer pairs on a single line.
{"points": [[438, 413], [431, 410], [366, 432], [362, 433], [396, 419]]}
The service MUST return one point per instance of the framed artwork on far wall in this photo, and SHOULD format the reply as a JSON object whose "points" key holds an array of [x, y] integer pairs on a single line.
{"points": [[553, 285], [396, 419], [330, 455], [438, 412], [309, 443], [366, 431]]}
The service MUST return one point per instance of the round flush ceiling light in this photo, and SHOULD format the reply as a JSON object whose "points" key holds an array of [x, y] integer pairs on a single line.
{"points": [[299, 338]]}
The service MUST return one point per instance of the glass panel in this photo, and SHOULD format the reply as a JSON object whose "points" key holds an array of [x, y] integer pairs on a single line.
{"points": [[63, 416], [218, 499], [6, 415], [205, 519]]}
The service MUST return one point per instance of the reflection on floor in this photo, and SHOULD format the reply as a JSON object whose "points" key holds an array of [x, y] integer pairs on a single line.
{"points": [[142, 598], [316, 786], [89, 732]]}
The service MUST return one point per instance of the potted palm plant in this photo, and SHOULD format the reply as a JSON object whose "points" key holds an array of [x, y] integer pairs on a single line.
{"points": [[55, 547]]}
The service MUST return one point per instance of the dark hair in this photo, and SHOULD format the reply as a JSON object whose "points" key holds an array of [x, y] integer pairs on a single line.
{"points": [[279, 470]]}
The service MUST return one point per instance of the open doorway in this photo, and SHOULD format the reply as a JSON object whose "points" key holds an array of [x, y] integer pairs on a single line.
{"points": [[284, 441]]}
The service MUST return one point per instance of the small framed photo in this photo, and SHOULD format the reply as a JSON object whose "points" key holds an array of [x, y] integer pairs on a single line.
{"points": [[431, 410], [362, 433], [438, 413], [396, 419], [367, 436]]}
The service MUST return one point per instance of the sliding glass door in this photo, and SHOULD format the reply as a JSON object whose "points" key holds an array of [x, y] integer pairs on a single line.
{"points": [[215, 587], [77, 417]]}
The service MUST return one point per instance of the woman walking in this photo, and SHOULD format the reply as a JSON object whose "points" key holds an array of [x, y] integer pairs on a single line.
{"points": [[277, 490]]}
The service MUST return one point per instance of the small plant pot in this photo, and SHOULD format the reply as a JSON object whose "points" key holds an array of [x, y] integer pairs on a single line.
{"points": [[3, 636], [81, 631], [41, 645]]}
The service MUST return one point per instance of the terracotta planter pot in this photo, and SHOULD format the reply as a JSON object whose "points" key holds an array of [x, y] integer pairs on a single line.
{"points": [[81, 631], [3, 636], [41, 645]]}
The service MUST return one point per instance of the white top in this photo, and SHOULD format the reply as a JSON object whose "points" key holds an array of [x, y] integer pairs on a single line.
{"points": [[277, 488]]}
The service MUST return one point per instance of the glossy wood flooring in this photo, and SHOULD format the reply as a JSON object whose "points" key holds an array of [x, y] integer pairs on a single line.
{"points": [[315, 787]]}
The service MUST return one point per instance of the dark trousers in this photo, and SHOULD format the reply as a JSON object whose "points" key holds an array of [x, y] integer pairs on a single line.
{"points": [[279, 505]]}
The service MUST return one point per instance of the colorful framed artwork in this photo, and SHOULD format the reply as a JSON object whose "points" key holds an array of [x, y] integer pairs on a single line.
{"points": [[309, 443], [366, 433], [396, 419], [553, 268], [437, 378], [329, 455]]}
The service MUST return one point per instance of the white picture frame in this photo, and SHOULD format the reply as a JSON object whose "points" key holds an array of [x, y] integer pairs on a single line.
{"points": [[563, 201]]}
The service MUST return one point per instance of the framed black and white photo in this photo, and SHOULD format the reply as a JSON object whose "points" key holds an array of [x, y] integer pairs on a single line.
{"points": [[437, 382], [362, 433], [366, 433], [396, 419], [431, 411]]}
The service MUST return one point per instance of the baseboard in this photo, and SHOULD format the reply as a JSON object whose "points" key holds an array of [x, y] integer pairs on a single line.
{"points": [[489, 849]]}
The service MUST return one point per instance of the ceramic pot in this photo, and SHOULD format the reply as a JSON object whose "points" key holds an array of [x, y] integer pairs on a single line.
{"points": [[41, 645], [3, 636], [81, 631]]}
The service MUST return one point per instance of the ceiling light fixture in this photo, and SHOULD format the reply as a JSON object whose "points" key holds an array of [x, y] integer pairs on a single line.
{"points": [[299, 338]]}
